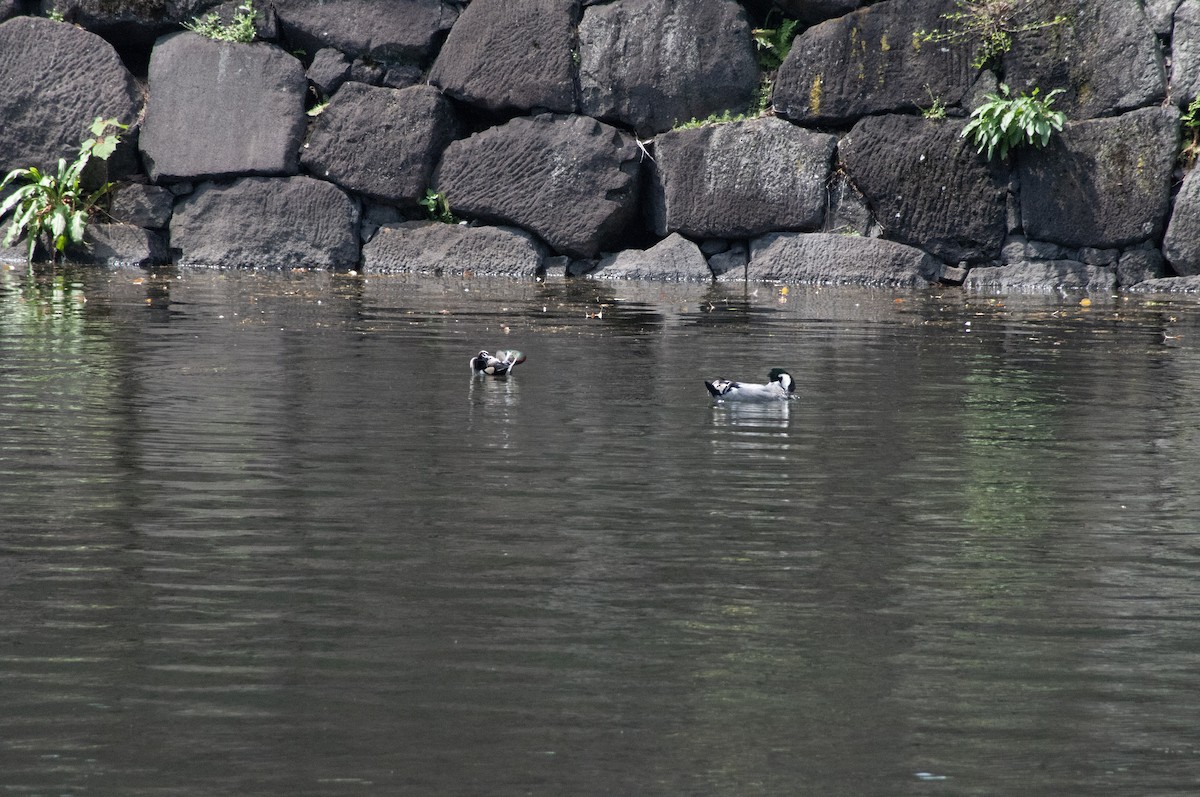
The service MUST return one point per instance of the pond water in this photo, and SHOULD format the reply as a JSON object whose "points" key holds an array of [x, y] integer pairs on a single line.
{"points": [[262, 533]]}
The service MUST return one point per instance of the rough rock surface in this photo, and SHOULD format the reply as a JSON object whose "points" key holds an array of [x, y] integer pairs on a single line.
{"points": [[810, 12], [146, 206], [827, 258], [1106, 57], [927, 186], [328, 71], [506, 55], [1056, 275], [1185, 54], [740, 179], [120, 245], [1138, 265], [673, 259], [1188, 284], [1103, 183], [267, 222], [1181, 245], [651, 64], [382, 143], [866, 63], [569, 179], [219, 109], [385, 30], [435, 248], [55, 79]]}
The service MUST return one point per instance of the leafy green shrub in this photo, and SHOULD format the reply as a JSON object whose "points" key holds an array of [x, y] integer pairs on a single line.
{"points": [[438, 207], [1005, 122], [53, 206], [241, 29], [990, 23], [1191, 130], [773, 44]]}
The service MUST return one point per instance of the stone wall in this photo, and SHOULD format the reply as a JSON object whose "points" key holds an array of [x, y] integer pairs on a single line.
{"points": [[553, 129]]}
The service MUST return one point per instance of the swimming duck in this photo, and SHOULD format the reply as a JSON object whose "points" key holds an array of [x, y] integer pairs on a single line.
{"points": [[499, 364], [779, 387]]}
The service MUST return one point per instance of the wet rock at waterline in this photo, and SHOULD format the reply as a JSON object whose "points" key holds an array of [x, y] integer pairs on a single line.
{"points": [[56, 78], [740, 179], [569, 179], [674, 259], [219, 109], [1181, 245], [379, 142], [1045, 277], [120, 245], [827, 258], [283, 222], [429, 247]]}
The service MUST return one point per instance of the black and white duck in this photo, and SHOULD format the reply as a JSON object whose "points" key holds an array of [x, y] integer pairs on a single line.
{"points": [[779, 387], [499, 364]]}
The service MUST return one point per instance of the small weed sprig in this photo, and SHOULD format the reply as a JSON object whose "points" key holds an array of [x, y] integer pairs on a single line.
{"points": [[241, 29], [1006, 122], [992, 24], [1191, 128]]}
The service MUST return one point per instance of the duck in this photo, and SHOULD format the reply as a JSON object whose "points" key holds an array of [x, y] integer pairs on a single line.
{"points": [[779, 387], [499, 364]]}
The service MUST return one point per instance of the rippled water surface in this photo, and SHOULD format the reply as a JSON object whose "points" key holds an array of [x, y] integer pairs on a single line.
{"points": [[263, 534]]}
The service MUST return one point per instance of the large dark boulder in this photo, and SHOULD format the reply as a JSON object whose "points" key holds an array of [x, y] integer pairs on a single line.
{"points": [[674, 259], [148, 206], [927, 185], [1189, 284], [1105, 57], [1046, 277], [282, 222], [430, 247], [55, 79], [652, 64], [827, 258], [404, 31], [871, 61], [220, 109], [570, 179], [1181, 245], [380, 142], [1103, 183], [1185, 54], [507, 55], [740, 179]]}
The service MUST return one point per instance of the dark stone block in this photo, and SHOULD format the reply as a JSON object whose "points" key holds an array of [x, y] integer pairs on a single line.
{"points": [[56, 80], [142, 205], [1103, 183], [674, 259], [826, 258], [380, 142], [740, 179], [927, 186], [1181, 245], [651, 64], [246, 116], [511, 55], [329, 69], [871, 62], [120, 245], [283, 222], [1047, 277], [571, 180], [403, 31], [435, 248]]}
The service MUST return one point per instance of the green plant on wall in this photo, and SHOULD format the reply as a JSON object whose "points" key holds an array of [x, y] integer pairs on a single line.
{"points": [[771, 48], [991, 24], [1005, 122], [241, 29], [438, 207], [52, 206], [1191, 132]]}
